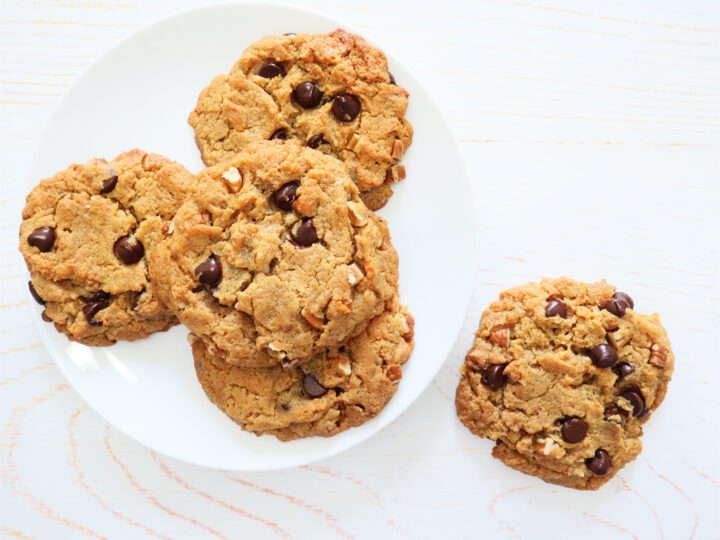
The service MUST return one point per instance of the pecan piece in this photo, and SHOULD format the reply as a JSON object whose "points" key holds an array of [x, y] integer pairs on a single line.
{"points": [[619, 337], [233, 179], [658, 355], [500, 337], [394, 372], [314, 321], [355, 274]]}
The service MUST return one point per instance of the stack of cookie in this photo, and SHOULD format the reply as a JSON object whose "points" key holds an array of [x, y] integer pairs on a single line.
{"points": [[272, 256]]}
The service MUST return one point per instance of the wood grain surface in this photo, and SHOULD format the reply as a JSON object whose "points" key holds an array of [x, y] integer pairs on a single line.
{"points": [[605, 115]]}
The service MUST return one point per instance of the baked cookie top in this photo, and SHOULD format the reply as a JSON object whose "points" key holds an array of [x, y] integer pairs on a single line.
{"points": [[274, 258], [331, 393], [562, 375], [86, 236], [331, 91]]}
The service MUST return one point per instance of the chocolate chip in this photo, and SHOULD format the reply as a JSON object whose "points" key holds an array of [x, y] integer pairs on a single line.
{"points": [[45, 317], [290, 34], [136, 299], [312, 387], [271, 70], [109, 184], [306, 235], [623, 370], [128, 250], [643, 413], [95, 304], [636, 400], [624, 297], [42, 238], [619, 302], [315, 140], [614, 410], [35, 294], [284, 196], [97, 296], [392, 78], [615, 307], [600, 464], [603, 355], [285, 406], [573, 429], [556, 308], [281, 134], [307, 95], [346, 107], [209, 271], [493, 376]]}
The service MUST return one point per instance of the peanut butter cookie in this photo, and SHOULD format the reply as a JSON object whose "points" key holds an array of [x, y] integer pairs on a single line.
{"points": [[86, 235], [274, 258], [331, 91], [331, 393], [562, 375]]}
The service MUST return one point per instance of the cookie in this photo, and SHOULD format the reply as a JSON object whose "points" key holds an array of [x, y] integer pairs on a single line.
{"points": [[331, 393], [86, 235], [274, 258], [562, 375], [331, 91]]}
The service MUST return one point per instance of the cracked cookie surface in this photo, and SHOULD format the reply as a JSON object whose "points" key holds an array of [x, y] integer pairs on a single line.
{"points": [[335, 391], [274, 258], [562, 375], [331, 91], [86, 236]]}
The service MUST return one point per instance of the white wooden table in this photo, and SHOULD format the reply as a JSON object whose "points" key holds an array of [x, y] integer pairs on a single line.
{"points": [[606, 115]]}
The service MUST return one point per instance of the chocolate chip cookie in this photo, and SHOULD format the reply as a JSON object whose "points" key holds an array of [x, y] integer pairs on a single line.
{"points": [[562, 375], [86, 236], [333, 392], [274, 258], [331, 91]]}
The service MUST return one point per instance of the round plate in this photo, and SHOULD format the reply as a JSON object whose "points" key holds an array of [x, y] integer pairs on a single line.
{"points": [[139, 94]]}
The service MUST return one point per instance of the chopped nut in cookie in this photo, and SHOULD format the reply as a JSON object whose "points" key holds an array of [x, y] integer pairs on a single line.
{"points": [[658, 355], [500, 337], [619, 337], [394, 372], [358, 213], [548, 447], [397, 149], [355, 274], [233, 179], [314, 321]]}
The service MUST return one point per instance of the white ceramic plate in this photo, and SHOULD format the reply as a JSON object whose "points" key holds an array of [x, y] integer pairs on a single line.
{"points": [[139, 94]]}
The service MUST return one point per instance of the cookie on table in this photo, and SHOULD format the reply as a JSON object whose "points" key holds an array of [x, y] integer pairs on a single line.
{"points": [[331, 393], [274, 258], [330, 91], [86, 236], [562, 375]]}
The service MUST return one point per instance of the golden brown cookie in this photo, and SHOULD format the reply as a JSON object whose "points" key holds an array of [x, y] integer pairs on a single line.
{"points": [[331, 91], [274, 258], [331, 393], [86, 235], [562, 375]]}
